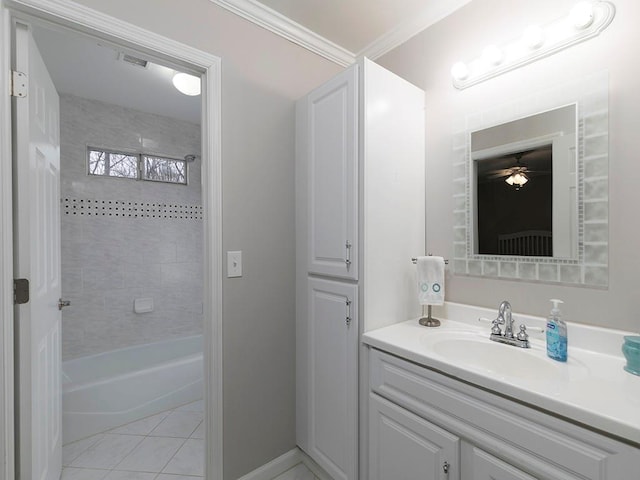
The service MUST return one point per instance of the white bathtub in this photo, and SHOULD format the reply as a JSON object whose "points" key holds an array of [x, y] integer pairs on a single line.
{"points": [[103, 391]]}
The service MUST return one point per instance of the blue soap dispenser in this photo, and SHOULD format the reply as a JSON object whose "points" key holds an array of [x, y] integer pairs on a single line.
{"points": [[556, 334]]}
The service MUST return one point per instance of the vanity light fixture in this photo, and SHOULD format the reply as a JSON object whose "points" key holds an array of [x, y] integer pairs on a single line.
{"points": [[581, 15], [459, 71], [585, 20], [533, 37], [187, 84], [492, 55]]}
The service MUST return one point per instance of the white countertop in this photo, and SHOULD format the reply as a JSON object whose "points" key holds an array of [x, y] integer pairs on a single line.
{"points": [[591, 388]]}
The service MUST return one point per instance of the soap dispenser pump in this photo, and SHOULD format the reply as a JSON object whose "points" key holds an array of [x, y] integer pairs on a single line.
{"points": [[556, 334]]}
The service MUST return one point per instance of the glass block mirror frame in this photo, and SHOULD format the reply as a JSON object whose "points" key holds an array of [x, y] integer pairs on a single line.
{"points": [[591, 267]]}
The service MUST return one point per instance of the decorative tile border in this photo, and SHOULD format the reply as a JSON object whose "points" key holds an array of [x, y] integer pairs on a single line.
{"points": [[126, 209], [591, 267]]}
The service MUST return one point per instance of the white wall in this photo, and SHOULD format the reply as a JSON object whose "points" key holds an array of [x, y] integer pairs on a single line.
{"points": [[118, 244], [262, 75], [426, 61]]}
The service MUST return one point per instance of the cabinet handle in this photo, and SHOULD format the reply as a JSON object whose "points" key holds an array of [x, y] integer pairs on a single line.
{"points": [[445, 468], [63, 303], [348, 259], [348, 319]]}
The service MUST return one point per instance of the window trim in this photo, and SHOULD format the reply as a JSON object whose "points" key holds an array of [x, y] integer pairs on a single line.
{"points": [[139, 164]]}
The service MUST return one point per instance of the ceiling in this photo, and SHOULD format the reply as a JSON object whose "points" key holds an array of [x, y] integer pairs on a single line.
{"points": [[84, 67], [339, 30]]}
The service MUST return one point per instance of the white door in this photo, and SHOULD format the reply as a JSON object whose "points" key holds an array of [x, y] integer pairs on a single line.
{"points": [[403, 446], [332, 152], [333, 377], [37, 258], [565, 197]]}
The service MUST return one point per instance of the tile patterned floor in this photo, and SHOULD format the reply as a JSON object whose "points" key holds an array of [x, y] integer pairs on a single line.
{"points": [[299, 472], [166, 446]]}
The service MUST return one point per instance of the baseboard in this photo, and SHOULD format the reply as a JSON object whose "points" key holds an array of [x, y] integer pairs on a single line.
{"points": [[316, 469], [276, 467], [285, 462]]}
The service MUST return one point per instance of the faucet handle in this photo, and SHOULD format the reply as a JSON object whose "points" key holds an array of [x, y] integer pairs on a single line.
{"points": [[522, 334], [495, 326]]}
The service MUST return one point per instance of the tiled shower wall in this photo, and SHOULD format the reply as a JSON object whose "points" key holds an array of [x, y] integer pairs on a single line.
{"points": [[124, 239]]}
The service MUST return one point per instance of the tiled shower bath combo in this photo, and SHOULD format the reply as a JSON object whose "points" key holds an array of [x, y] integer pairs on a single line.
{"points": [[126, 241]]}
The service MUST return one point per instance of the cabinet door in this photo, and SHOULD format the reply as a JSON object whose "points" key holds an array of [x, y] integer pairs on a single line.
{"points": [[333, 377], [332, 153], [483, 466], [403, 446]]}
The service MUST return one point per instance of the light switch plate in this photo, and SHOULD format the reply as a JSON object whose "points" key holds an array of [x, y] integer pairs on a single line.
{"points": [[234, 264]]}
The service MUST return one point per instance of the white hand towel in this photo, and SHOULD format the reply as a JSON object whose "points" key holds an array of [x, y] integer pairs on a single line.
{"points": [[430, 280]]}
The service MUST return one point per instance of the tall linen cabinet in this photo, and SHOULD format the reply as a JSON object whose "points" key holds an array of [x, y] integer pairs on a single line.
{"points": [[359, 219]]}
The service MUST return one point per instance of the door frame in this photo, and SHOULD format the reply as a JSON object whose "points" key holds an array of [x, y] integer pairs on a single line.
{"points": [[70, 15]]}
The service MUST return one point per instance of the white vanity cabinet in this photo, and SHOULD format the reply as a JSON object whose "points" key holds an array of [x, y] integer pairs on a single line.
{"points": [[405, 446], [479, 465], [359, 221], [492, 437]]}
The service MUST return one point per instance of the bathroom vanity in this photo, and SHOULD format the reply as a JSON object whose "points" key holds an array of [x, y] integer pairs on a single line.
{"points": [[449, 404]]}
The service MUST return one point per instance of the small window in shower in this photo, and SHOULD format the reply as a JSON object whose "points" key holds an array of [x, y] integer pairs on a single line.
{"points": [[159, 169], [113, 164], [138, 166]]}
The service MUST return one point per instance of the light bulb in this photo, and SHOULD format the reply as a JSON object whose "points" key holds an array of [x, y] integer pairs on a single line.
{"points": [[459, 71], [533, 37], [518, 179], [492, 55], [187, 84], [581, 15]]}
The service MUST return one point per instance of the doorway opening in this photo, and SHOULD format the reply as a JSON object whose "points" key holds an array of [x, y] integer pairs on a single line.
{"points": [[139, 205]]}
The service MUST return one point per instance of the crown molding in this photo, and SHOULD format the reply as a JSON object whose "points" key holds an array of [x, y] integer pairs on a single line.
{"points": [[280, 25], [432, 14]]}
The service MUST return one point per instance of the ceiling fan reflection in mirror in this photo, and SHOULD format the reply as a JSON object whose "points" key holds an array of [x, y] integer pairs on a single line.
{"points": [[518, 174]]}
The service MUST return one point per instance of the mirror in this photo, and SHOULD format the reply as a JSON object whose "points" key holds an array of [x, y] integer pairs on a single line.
{"points": [[558, 232], [524, 178]]}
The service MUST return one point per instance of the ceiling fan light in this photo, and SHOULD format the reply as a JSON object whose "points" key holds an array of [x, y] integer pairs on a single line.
{"points": [[518, 179]]}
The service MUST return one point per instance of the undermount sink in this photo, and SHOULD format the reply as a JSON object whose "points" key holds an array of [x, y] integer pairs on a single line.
{"points": [[499, 360]]}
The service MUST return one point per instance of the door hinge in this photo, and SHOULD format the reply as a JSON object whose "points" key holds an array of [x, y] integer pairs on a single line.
{"points": [[20, 291], [19, 84]]}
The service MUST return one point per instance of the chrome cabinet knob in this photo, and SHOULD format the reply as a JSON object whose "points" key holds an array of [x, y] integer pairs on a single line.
{"points": [[63, 303]]}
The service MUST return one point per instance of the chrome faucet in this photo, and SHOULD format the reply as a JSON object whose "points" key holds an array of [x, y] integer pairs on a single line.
{"points": [[505, 318]]}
